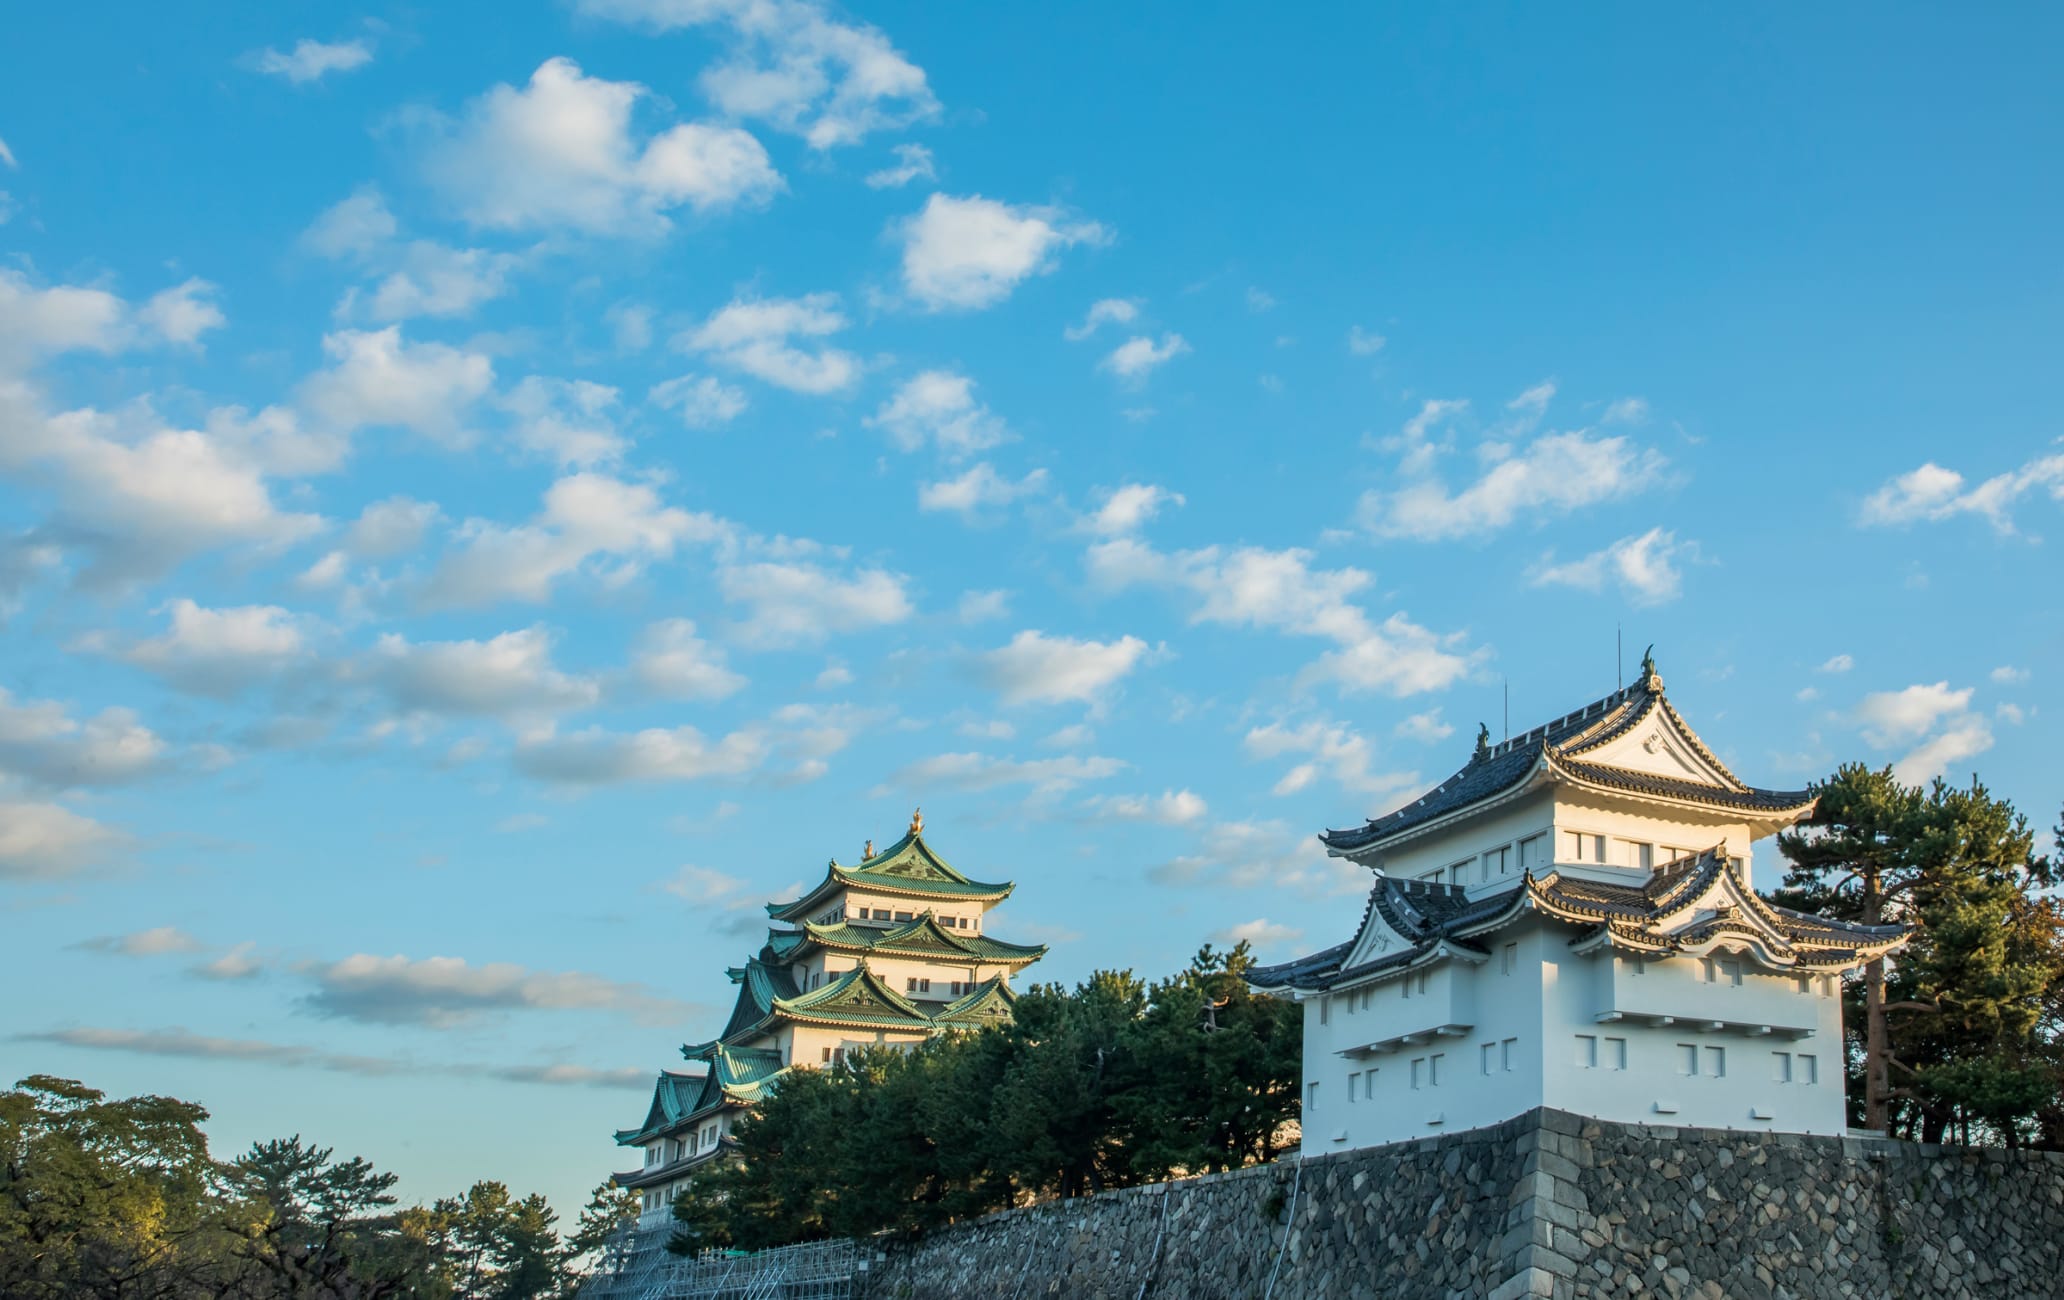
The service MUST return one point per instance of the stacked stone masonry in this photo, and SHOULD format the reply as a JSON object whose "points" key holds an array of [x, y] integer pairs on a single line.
{"points": [[1548, 1204]]}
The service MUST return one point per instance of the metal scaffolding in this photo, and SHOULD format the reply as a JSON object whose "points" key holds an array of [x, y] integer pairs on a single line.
{"points": [[637, 1266]]}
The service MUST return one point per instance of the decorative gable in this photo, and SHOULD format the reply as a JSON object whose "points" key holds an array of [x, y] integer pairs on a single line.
{"points": [[1659, 745]]}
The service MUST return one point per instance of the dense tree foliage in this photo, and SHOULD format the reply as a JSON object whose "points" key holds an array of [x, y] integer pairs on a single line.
{"points": [[1113, 1083], [1958, 1036], [120, 1199]]}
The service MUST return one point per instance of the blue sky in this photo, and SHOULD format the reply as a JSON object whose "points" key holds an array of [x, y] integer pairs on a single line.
{"points": [[489, 496]]}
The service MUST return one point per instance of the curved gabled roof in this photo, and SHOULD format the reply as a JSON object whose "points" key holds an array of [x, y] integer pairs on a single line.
{"points": [[761, 984], [908, 868], [859, 999], [1556, 750], [922, 938], [1688, 907], [734, 1077], [990, 1002]]}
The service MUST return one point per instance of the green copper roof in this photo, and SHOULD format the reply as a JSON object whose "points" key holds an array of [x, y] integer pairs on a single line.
{"points": [[673, 1100], [760, 986], [857, 998], [923, 937], [908, 868], [992, 1001], [737, 1076]]}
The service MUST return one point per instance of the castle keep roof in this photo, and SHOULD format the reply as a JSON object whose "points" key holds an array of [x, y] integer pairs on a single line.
{"points": [[1562, 751]]}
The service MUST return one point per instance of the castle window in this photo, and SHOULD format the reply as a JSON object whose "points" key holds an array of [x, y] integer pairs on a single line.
{"points": [[916, 985], [1353, 1083], [1497, 862], [1311, 1097], [1533, 852], [1587, 1052], [1687, 1058], [1809, 1068], [1615, 1053], [1369, 1085], [1716, 1062], [1586, 847], [904, 916], [1489, 1052], [1433, 1069], [1508, 959], [1643, 856], [1508, 1055], [1730, 970], [1418, 1072], [1782, 1066]]}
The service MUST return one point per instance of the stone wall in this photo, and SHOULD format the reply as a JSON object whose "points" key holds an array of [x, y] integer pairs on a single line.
{"points": [[1548, 1204]]}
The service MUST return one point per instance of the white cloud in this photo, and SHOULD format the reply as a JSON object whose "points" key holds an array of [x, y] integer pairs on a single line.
{"points": [[757, 336], [1039, 669], [1254, 587], [1079, 735], [1838, 664], [182, 313], [980, 488], [220, 651], [1555, 474], [443, 991], [7, 155], [585, 518], [1259, 299], [179, 1042], [390, 527], [158, 942], [68, 318], [568, 422], [703, 401], [971, 771], [1104, 311], [141, 497], [46, 840], [1362, 343], [671, 660], [630, 324], [1140, 356], [561, 152], [1169, 808], [1415, 445], [417, 277], [1260, 933], [983, 606], [913, 163], [2008, 675], [796, 740], [510, 677], [42, 743], [1932, 493], [1269, 854], [1128, 508], [797, 604], [795, 66], [311, 60], [1966, 736], [352, 226], [1889, 717], [238, 963], [939, 407], [596, 757], [966, 253], [1627, 410], [833, 677], [377, 378], [1644, 566], [1426, 728], [1329, 749]]}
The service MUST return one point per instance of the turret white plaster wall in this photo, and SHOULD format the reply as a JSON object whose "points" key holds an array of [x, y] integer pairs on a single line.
{"points": [[1528, 1010]]}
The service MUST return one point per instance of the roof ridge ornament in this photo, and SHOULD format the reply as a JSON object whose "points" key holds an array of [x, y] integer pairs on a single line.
{"points": [[867, 852], [1483, 742], [916, 821], [1651, 680]]}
